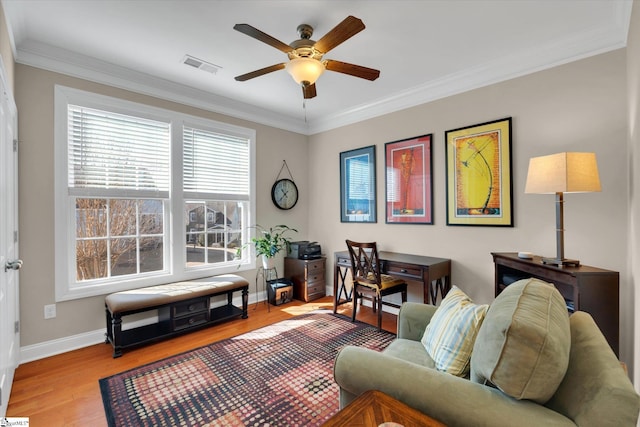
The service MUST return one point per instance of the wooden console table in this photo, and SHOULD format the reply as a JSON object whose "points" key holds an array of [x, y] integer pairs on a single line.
{"points": [[434, 274], [373, 407], [584, 288]]}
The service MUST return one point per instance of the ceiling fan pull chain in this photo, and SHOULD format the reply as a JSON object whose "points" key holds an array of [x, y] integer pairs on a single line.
{"points": [[304, 108]]}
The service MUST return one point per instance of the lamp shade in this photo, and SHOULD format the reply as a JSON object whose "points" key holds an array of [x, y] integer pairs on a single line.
{"points": [[305, 71], [563, 173]]}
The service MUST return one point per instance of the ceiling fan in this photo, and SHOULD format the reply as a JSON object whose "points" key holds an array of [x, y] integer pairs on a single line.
{"points": [[305, 55]]}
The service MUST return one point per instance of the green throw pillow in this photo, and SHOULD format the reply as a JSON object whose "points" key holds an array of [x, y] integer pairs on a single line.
{"points": [[450, 335], [523, 345]]}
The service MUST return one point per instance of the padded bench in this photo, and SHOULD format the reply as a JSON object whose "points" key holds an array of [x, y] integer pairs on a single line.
{"points": [[182, 307]]}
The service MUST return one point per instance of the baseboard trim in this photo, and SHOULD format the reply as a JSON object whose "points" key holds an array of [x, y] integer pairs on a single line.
{"points": [[45, 349]]}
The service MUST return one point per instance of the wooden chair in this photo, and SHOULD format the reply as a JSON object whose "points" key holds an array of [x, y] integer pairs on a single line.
{"points": [[368, 279]]}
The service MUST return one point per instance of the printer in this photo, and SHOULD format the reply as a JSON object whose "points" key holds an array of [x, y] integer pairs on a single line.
{"points": [[304, 250]]}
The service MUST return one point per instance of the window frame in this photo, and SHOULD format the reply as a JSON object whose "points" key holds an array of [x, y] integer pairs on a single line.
{"points": [[175, 266]]}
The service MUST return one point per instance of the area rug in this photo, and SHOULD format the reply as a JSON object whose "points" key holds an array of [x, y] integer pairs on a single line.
{"points": [[279, 375]]}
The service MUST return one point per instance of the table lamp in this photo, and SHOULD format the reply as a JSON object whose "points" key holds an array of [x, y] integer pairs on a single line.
{"points": [[562, 173]]}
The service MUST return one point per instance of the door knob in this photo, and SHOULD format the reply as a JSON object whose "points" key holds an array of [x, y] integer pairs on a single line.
{"points": [[16, 264]]}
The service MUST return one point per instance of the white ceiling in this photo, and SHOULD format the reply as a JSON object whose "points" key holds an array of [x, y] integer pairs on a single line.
{"points": [[425, 50]]}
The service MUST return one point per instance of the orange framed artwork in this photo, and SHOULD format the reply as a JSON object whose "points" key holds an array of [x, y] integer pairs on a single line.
{"points": [[408, 184], [479, 181]]}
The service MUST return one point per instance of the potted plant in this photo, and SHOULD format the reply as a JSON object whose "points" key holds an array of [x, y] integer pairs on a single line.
{"points": [[270, 242]]}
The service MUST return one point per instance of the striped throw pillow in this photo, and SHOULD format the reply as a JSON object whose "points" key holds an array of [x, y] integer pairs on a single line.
{"points": [[450, 335]]}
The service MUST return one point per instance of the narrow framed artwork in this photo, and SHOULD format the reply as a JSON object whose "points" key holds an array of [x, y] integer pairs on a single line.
{"points": [[479, 179], [358, 185], [408, 184]]}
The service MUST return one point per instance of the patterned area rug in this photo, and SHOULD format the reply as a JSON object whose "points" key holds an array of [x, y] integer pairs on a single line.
{"points": [[279, 375]]}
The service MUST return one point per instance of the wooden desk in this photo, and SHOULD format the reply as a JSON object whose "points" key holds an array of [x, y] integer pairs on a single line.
{"points": [[373, 408], [434, 274]]}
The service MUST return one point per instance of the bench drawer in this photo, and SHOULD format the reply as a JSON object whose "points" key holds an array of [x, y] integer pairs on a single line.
{"points": [[190, 321], [191, 306]]}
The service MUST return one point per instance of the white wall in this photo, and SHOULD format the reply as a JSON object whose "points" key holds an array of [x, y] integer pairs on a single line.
{"points": [[575, 107]]}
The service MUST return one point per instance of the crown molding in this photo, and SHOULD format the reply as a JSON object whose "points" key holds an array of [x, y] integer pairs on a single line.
{"points": [[537, 58], [63, 61]]}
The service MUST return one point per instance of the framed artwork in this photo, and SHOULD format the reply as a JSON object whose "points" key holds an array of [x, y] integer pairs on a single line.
{"points": [[479, 181], [358, 185], [408, 184]]}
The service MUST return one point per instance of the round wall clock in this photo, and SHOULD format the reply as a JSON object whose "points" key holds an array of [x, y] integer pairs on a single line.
{"points": [[284, 194]]}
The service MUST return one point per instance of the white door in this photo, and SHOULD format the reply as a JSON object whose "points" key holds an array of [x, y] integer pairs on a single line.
{"points": [[9, 261]]}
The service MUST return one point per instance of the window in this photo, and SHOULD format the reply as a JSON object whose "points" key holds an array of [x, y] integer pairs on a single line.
{"points": [[118, 237], [216, 187], [130, 179]]}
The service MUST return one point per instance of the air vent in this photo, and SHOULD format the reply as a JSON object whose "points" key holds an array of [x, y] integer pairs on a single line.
{"points": [[200, 64]]}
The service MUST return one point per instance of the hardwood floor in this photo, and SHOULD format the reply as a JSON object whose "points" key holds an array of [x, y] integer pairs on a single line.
{"points": [[63, 390]]}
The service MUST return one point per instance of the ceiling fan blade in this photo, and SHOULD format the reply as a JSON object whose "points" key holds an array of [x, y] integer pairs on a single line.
{"points": [[341, 32], [351, 69], [309, 91], [263, 37], [260, 72]]}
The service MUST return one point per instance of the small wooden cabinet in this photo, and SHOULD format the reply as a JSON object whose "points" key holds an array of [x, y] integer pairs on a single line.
{"points": [[308, 277], [584, 288]]}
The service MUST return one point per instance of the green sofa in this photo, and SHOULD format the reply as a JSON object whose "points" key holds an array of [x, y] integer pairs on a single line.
{"points": [[593, 391]]}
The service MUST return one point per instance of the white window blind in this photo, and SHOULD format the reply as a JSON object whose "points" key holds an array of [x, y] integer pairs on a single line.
{"points": [[215, 164], [117, 154]]}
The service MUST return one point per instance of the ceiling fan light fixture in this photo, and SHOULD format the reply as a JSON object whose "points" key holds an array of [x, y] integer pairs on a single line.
{"points": [[306, 62], [305, 71]]}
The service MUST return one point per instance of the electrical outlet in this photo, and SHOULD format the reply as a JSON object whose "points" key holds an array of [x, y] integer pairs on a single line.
{"points": [[49, 311]]}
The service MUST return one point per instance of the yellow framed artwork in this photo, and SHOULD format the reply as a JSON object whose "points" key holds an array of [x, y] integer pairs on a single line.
{"points": [[479, 183]]}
